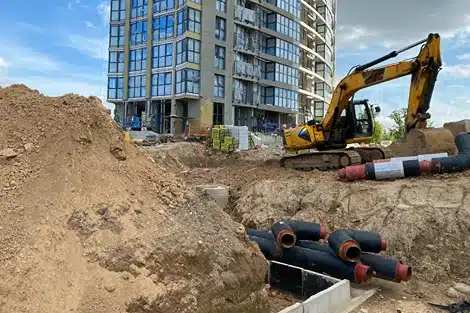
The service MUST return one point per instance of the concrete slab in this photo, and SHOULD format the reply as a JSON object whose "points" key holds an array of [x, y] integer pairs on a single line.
{"points": [[220, 193], [295, 308]]}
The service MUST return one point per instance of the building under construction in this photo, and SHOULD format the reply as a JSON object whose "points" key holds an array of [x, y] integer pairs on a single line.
{"points": [[208, 62]]}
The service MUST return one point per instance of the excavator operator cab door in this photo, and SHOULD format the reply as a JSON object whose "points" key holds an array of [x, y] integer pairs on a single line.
{"points": [[361, 116]]}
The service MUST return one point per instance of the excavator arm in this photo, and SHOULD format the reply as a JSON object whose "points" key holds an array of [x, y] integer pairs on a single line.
{"points": [[336, 130], [424, 69]]}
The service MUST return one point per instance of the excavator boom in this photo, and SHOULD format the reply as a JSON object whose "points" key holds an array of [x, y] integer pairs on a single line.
{"points": [[348, 121]]}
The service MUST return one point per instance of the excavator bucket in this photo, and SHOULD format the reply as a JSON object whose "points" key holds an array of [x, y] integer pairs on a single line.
{"points": [[425, 141]]}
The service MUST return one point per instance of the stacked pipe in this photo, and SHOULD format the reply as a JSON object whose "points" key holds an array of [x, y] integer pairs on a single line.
{"points": [[348, 254], [414, 165]]}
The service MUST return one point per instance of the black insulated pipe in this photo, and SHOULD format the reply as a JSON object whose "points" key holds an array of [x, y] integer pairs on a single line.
{"points": [[260, 233], [384, 268], [307, 230], [462, 141], [368, 241], [284, 234], [387, 268], [314, 260], [344, 246]]}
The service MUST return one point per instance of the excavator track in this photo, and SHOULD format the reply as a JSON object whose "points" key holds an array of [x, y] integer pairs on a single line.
{"points": [[369, 154], [322, 160]]}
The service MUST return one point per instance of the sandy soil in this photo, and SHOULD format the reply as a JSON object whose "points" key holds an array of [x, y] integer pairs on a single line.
{"points": [[89, 223], [425, 220]]}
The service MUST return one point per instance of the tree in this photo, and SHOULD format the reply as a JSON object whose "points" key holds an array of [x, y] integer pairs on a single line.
{"points": [[379, 131], [398, 131]]}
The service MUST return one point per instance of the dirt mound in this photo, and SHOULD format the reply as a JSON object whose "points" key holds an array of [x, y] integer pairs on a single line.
{"points": [[88, 223], [425, 141], [184, 156], [426, 221]]}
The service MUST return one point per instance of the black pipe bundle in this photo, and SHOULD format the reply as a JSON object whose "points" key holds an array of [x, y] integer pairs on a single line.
{"points": [[314, 260], [344, 245], [383, 267]]}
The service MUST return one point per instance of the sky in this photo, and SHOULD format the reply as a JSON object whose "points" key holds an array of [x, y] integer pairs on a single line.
{"points": [[60, 46]]}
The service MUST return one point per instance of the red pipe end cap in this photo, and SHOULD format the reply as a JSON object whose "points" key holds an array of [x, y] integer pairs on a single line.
{"points": [[384, 245], [322, 231], [343, 173], [403, 272], [362, 272]]}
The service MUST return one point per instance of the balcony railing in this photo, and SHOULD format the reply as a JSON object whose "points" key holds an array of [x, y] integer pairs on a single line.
{"points": [[246, 69], [245, 15], [245, 41], [240, 95]]}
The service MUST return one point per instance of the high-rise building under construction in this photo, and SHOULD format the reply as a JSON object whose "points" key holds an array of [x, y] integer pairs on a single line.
{"points": [[206, 62]]}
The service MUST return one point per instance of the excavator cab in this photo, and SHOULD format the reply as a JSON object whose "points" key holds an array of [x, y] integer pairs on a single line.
{"points": [[355, 122]]}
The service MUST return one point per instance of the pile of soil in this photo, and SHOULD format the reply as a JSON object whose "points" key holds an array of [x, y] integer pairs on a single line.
{"points": [[426, 221], [89, 223], [186, 156], [425, 141]]}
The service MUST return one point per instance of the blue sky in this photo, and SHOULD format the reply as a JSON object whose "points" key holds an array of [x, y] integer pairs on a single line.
{"points": [[61, 46]]}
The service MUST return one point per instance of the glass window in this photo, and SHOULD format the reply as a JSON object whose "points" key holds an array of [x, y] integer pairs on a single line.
{"points": [[188, 19], [221, 5], [162, 56], [187, 81], [188, 50], [138, 32], [163, 5], [118, 10], [219, 86], [219, 28], [318, 109], [218, 114], [115, 87], [116, 38], [219, 59], [116, 62], [281, 97], [139, 8], [181, 2], [163, 27], [162, 84], [291, 6], [137, 86], [138, 60], [303, 133]]}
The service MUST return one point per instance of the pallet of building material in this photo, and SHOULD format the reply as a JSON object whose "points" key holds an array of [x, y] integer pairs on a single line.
{"points": [[231, 140], [227, 147], [216, 144]]}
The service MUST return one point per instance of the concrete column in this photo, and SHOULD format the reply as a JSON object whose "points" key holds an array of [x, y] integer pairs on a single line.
{"points": [[172, 119], [126, 50]]}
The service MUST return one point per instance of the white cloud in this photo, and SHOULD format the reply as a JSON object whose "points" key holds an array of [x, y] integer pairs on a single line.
{"points": [[89, 24], [104, 9], [20, 57], [456, 71], [95, 48], [30, 27], [465, 56]]}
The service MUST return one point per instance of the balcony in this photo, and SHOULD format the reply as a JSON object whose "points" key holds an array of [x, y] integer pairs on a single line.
{"points": [[247, 70], [242, 96], [245, 15], [245, 41]]}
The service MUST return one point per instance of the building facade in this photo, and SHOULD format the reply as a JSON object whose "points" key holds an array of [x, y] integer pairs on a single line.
{"points": [[174, 63]]}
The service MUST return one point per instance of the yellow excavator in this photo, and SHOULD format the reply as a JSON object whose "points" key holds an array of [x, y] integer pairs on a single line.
{"points": [[348, 121]]}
